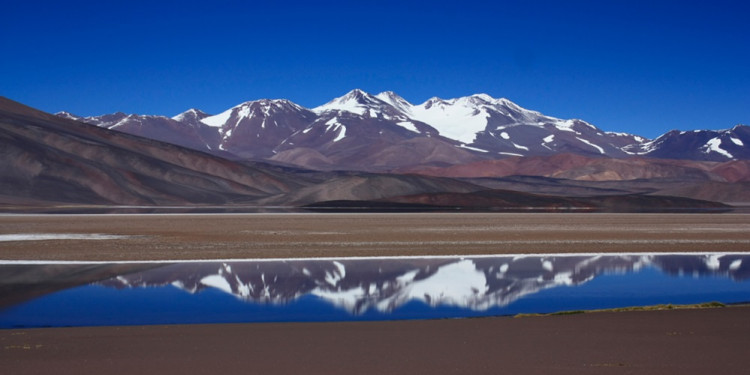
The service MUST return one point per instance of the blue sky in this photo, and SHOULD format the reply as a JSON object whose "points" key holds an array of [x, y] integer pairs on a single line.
{"points": [[643, 67]]}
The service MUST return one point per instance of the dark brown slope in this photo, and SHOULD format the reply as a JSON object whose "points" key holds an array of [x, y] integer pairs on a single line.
{"points": [[367, 144], [717, 191], [506, 200], [368, 187], [48, 159], [577, 175], [579, 167]]}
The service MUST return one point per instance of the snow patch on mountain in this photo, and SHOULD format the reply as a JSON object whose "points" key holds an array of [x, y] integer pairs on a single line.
{"points": [[714, 145], [341, 135], [408, 125], [566, 126], [601, 150], [520, 147], [474, 148], [454, 119], [637, 138], [219, 120]]}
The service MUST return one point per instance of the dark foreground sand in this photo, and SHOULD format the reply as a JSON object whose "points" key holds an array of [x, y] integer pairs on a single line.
{"points": [[655, 342], [708, 341]]}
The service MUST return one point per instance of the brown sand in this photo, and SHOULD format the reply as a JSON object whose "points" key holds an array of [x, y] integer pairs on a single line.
{"points": [[655, 342], [708, 341], [315, 235]]}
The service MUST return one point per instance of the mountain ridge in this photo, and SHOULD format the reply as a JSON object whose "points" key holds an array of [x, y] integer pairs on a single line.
{"points": [[347, 131]]}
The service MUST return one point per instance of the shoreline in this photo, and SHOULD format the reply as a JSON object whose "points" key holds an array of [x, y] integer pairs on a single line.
{"points": [[387, 257]]}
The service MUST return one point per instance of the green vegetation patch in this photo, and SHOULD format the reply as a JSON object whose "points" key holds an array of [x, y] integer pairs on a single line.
{"points": [[706, 305]]}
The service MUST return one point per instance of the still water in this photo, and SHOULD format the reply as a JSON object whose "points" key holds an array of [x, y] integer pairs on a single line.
{"points": [[90, 294]]}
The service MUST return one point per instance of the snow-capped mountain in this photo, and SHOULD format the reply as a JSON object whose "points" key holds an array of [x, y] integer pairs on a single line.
{"points": [[192, 116], [359, 130], [103, 121], [356, 285], [49, 159], [707, 145], [252, 130], [360, 103], [499, 126], [385, 132]]}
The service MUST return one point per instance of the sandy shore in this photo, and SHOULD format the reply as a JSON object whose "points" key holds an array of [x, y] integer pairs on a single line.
{"points": [[705, 341], [316, 235], [654, 342]]}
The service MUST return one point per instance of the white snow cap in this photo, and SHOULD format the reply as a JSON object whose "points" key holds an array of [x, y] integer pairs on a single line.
{"points": [[459, 118], [249, 109], [355, 101], [190, 113]]}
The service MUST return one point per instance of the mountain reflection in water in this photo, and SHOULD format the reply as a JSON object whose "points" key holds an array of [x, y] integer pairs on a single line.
{"points": [[374, 288]]}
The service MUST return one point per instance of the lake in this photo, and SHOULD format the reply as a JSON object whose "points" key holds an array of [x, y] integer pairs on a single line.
{"points": [[39, 294]]}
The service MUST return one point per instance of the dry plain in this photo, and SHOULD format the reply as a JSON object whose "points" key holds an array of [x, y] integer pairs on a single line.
{"points": [[648, 342], [223, 236]]}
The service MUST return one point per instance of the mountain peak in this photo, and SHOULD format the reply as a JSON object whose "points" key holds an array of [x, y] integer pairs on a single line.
{"points": [[484, 97], [357, 92], [355, 101], [389, 95], [396, 101], [356, 95], [433, 101], [68, 115], [261, 108], [191, 114], [279, 103]]}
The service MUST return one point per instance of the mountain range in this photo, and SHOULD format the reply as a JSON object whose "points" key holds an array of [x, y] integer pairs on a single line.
{"points": [[361, 151], [384, 132]]}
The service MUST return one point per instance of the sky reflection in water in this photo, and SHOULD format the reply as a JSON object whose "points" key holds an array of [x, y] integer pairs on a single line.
{"points": [[38, 295]]}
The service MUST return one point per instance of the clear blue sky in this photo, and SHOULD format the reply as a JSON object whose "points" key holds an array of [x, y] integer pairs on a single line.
{"points": [[643, 67]]}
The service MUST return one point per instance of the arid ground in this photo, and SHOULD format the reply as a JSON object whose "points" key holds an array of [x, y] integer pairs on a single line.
{"points": [[218, 236], [647, 342]]}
